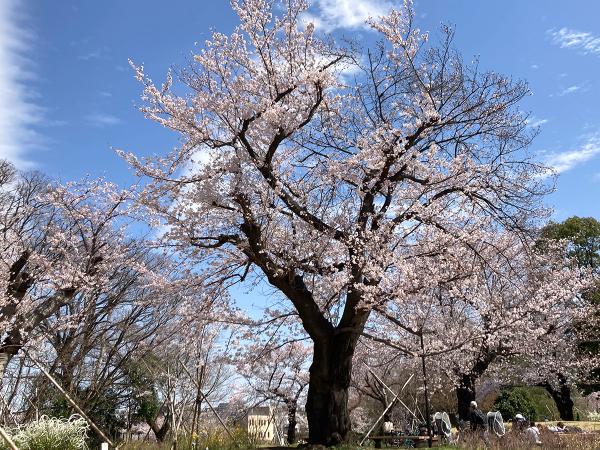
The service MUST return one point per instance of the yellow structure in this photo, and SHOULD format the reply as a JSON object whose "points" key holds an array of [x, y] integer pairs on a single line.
{"points": [[260, 424]]}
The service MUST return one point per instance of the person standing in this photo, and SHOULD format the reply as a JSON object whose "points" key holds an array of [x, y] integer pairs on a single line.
{"points": [[476, 418], [478, 422]]}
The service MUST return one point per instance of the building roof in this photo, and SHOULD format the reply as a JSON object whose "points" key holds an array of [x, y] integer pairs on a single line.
{"points": [[260, 411]]}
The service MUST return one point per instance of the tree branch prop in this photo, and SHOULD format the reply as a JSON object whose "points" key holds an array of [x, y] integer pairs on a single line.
{"points": [[70, 400], [388, 407]]}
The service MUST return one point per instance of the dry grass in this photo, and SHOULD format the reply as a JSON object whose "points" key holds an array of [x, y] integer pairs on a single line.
{"points": [[512, 441], [550, 441], [587, 426]]}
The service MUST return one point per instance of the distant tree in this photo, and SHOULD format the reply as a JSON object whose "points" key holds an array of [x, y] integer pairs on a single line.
{"points": [[170, 381], [278, 372], [514, 304], [57, 243], [582, 235]]}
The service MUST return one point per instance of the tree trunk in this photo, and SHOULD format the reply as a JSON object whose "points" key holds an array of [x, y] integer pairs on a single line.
{"points": [[160, 432], [291, 430], [4, 360], [327, 403], [562, 398], [465, 394]]}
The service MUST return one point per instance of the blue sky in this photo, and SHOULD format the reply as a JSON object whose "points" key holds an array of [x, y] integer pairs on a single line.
{"points": [[67, 94]]}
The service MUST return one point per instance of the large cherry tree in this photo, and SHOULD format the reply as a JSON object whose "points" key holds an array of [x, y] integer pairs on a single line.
{"points": [[348, 179]]}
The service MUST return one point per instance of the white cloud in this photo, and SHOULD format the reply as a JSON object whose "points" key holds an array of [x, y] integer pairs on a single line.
{"points": [[102, 120], [329, 15], [570, 90], [585, 42], [18, 113], [561, 162], [99, 53], [535, 122]]}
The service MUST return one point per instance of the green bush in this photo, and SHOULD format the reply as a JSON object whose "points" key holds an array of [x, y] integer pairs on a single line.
{"points": [[515, 401], [543, 403], [533, 402], [49, 433]]}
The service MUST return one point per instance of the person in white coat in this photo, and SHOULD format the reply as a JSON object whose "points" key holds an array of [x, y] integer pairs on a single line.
{"points": [[533, 434]]}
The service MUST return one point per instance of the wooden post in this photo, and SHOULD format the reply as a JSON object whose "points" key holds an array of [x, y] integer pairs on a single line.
{"points": [[396, 398], [427, 416], [8, 440], [71, 401], [207, 402]]}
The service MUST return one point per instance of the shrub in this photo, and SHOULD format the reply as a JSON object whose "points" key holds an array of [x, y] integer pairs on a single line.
{"points": [[542, 402], [49, 433], [531, 401], [515, 401]]}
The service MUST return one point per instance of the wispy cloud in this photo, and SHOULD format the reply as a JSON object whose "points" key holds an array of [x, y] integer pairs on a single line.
{"points": [[561, 162], [95, 54], [18, 112], [102, 120], [99, 53], [571, 90], [585, 42], [329, 15], [535, 122]]}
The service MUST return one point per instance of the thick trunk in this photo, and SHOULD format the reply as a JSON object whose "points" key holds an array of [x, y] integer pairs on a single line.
{"points": [[562, 398], [291, 431], [327, 403], [465, 394]]}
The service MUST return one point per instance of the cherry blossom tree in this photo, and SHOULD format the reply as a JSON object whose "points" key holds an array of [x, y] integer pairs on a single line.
{"points": [[582, 238], [68, 263], [279, 372], [58, 243], [348, 179], [516, 311], [515, 304]]}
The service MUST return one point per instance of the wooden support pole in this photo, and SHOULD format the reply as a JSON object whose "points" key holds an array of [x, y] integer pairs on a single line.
{"points": [[8, 440], [71, 401], [427, 412], [392, 392], [206, 400], [396, 397]]}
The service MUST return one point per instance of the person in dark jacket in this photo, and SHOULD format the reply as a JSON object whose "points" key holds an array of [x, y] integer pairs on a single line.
{"points": [[476, 418], [478, 422]]}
